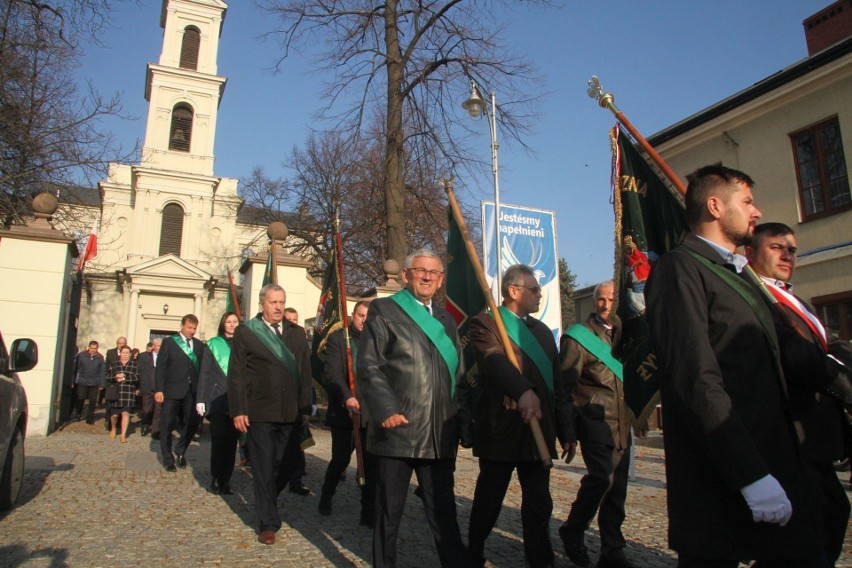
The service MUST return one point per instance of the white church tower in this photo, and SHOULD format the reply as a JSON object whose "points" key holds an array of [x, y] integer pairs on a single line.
{"points": [[169, 229]]}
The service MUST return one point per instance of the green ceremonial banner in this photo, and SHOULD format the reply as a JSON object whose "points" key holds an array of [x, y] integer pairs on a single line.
{"points": [[649, 220], [464, 295], [267, 274], [328, 318]]}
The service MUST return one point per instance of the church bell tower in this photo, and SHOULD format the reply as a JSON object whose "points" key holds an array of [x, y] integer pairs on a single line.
{"points": [[184, 90]]}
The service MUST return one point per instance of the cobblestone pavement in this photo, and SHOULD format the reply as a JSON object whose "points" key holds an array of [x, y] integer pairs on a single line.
{"points": [[91, 501]]}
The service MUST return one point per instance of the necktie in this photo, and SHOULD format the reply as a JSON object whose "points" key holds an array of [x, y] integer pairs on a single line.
{"points": [[277, 327], [428, 309], [189, 343]]}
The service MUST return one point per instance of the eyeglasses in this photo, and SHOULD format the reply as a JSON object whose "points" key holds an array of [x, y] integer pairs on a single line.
{"points": [[533, 289], [421, 272]]}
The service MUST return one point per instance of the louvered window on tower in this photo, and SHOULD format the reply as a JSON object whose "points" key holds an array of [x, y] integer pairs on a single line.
{"points": [[189, 48], [181, 131], [171, 230]]}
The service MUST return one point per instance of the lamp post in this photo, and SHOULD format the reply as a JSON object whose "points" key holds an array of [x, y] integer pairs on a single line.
{"points": [[474, 105]]}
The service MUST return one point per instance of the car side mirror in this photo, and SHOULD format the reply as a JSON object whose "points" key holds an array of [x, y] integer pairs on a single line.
{"points": [[23, 355]]}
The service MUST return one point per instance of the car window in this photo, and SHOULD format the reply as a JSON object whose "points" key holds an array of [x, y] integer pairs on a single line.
{"points": [[4, 356]]}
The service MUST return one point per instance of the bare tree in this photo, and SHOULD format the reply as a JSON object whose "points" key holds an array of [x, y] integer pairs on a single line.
{"points": [[49, 130], [341, 176], [415, 59]]}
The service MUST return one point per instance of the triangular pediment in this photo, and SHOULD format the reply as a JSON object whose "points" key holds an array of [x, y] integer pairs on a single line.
{"points": [[167, 266]]}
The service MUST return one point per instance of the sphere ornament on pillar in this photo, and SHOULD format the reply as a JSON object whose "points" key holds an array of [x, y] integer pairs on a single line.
{"points": [[44, 206], [277, 231], [391, 269]]}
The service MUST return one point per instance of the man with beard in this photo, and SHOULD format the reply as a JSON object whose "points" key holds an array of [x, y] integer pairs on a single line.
{"points": [[736, 485]]}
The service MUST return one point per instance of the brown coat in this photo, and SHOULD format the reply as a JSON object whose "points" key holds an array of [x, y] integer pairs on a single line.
{"points": [[600, 414], [501, 434]]}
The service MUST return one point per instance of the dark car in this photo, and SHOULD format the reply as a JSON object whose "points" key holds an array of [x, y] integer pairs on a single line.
{"points": [[22, 356]]}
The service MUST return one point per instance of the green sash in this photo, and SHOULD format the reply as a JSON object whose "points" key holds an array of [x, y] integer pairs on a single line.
{"points": [[276, 345], [597, 347], [517, 330], [181, 342], [221, 352], [748, 293], [433, 329]]}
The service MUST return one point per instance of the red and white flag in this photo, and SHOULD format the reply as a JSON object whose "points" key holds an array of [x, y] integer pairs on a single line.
{"points": [[91, 250]]}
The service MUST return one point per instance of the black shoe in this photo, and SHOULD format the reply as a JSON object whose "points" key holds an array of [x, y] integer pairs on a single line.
{"points": [[90, 421], [225, 489], [145, 430], [368, 518], [343, 477], [575, 548], [181, 461], [155, 436], [214, 486], [614, 559], [299, 489], [171, 468], [324, 507]]}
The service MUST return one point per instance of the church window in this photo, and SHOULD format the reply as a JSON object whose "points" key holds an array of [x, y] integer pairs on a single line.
{"points": [[171, 230], [189, 48], [181, 131]]}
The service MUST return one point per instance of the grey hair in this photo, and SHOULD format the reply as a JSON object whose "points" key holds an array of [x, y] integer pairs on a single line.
{"points": [[269, 288], [514, 277], [428, 253], [604, 284]]}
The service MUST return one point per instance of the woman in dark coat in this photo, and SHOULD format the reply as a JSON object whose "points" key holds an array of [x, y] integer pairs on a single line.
{"points": [[212, 401], [125, 375]]}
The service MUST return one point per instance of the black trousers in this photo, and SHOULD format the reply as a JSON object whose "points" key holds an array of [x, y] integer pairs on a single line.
{"points": [[147, 409], [85, 393], [274, 450], [435, 477], [604, 489], [223, 447], [342, 446], [536, 507], [168, 413]]}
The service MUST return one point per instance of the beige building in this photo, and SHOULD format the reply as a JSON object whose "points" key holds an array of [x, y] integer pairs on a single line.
{"points": [[170, 230], [791, 132]]}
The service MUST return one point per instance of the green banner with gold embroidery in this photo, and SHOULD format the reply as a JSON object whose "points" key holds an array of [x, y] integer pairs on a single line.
{"points": [[649, 220]]}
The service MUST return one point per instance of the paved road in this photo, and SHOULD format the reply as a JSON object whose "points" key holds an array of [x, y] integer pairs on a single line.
{"points": [[91, 501]]}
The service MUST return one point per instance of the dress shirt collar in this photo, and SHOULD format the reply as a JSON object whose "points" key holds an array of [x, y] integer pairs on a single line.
{"points": [[185, 339], [603, 323], [777, 283], [737, 260]]}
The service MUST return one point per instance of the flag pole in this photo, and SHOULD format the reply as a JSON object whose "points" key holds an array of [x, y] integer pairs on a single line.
{"points": [[234, 296], [607, 101], [344, 318], [543, 452], [274, 272]]}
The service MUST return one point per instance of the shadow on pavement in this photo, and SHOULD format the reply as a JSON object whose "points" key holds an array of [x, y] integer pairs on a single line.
{"points": [[18, 555]]}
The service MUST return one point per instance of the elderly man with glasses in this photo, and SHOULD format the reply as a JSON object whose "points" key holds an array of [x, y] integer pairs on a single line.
{"points": [[409, 362]]}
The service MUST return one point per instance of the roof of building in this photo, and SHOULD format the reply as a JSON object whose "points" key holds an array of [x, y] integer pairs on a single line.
{"points": [[769, 84]]}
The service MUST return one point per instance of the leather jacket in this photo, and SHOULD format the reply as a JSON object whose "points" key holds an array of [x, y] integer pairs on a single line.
{"points": [[600, 413], [400, 371]]}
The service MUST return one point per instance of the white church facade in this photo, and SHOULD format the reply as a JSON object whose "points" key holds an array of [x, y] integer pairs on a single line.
{"points": [[170, 230]]}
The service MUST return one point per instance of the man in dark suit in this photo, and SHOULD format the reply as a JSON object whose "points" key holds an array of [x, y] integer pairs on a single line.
{"points": [[503, 440], [177, 381], [147, 365], [269, 394], [736, 484], [818, 417], [409, 361], [112, 356], [342, 405], [602, 423]]}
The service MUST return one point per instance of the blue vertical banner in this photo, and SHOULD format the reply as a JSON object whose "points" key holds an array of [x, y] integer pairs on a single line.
{"points": [[528, 237]]}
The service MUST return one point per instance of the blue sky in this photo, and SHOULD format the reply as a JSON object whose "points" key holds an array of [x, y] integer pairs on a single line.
{"points": [[663, 61]]}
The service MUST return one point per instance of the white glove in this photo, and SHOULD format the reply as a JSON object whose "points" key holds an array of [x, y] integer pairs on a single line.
{"points": [[313, 410], [768, 501], [201, 408]]}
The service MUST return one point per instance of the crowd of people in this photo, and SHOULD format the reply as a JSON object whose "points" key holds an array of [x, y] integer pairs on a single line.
{"points": [[752, 392]]}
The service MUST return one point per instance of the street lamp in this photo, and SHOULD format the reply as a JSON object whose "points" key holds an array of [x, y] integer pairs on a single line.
{"points": [[474, 105]]}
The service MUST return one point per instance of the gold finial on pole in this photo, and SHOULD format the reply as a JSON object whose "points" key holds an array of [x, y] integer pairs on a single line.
{"points": [[606, 100]]}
